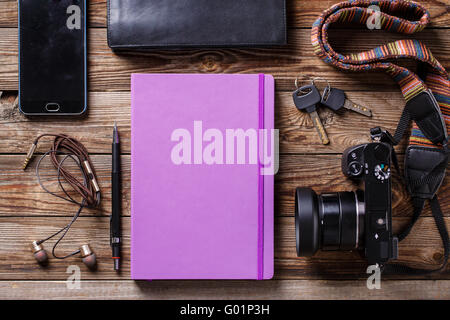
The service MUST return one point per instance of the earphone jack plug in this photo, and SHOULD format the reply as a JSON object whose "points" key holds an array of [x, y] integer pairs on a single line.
{"points": [[29, 155]]}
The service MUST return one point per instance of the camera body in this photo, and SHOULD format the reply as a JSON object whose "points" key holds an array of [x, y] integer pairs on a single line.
{"points": [[351, 220], [372, 163]]}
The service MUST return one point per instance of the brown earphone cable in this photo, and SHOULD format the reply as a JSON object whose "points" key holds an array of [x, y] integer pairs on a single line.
{"points": [[88, 189], [90, 192]]}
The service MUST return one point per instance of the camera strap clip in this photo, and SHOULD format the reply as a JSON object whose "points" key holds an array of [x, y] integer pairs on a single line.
{"points": [[378, 134]]}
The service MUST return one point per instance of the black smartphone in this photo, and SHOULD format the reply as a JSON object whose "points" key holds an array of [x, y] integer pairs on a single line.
{"points": [[52, 57]]}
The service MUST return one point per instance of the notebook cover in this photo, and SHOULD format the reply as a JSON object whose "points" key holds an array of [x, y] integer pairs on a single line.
{"points": [[199, 221]]}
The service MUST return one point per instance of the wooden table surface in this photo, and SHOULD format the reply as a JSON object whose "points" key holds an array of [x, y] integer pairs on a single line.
{"points": [[27, 213]]}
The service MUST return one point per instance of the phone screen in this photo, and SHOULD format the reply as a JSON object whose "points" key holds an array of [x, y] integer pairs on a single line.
{"points": [[52, 56]]}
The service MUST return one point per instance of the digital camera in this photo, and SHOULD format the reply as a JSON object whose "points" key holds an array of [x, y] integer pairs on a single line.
{"points": [[351, 220]]}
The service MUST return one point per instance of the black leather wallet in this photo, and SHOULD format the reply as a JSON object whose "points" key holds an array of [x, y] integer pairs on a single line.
{"points": [[142, 24]]}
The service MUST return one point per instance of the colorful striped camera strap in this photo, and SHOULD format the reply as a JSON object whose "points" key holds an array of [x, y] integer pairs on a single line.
{"points": [[427, 95], [365, 13]]}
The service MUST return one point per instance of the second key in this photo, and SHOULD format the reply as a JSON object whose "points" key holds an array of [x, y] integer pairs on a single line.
{"points": [[335, 100]]}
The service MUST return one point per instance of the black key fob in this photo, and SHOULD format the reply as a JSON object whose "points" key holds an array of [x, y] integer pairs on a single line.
{"points": [[333, 98], [306, 98]]}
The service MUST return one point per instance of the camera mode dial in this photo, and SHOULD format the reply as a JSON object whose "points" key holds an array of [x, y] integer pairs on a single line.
{"points": [[382, 172]]}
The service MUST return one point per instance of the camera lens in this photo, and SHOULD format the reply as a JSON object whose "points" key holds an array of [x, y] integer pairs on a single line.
{"points": [[333, 221]]}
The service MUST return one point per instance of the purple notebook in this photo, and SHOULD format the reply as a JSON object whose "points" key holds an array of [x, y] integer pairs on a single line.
{"points": [[201, 206]]}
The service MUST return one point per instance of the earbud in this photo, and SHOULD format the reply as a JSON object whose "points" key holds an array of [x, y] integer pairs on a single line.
{"points": [[88, 256], [39, 253]]}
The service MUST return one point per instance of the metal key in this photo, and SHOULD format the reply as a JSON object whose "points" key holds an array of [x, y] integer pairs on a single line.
{"points": [[335, 99], [306, 98]]}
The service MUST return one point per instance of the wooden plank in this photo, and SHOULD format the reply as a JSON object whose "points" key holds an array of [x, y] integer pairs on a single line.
{"points": [[297, 134], [21, 195], [422, 248], [225, 290], [300, 14], [111, 72]]}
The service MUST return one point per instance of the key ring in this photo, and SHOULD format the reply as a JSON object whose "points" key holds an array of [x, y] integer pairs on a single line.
{"points": [[313, 82], [297, 86], [296, 81], [323, 80]]}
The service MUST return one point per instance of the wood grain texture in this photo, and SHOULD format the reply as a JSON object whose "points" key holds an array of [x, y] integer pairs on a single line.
{"points": [[297, 134], [422, 248], [224, 290], [21, 195], [301, 14], [109, 71], [27, 213]]}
